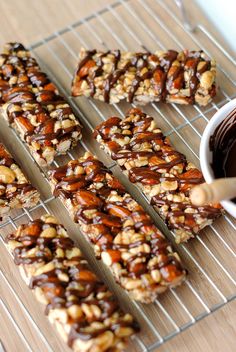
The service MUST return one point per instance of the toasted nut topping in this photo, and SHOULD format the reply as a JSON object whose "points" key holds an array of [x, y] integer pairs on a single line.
{"points": [[207, 79], [49, 232], [110, 257], [6, 174], [156, 275], [44, 269], [47, 218], [169, 185], [75, 311]]}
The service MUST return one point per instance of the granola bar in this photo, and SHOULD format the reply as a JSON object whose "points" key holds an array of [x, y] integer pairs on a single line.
{"points": [[184, 77], [123, 235], [163, 174], [15, 189], [32, 105], [84, 311]]}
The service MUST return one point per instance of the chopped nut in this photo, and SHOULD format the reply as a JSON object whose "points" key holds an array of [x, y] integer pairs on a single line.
{"points": [[49, 232], [169, 185], [156, 275], [75, 311]]}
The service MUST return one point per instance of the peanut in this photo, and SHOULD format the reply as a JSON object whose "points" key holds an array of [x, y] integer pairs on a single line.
{"points": [[169, 185], [6, 174], [207, 79], [49, 232], [75, 311], [155, 274], [47, 218]]}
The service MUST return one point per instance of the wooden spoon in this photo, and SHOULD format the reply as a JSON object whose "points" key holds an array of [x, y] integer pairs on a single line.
{"points": [[220, 189]]}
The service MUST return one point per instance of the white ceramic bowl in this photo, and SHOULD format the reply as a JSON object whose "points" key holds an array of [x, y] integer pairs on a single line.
{"points": [[206, 154]]}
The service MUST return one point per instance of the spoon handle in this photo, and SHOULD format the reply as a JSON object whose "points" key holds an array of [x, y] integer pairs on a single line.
{"points": [[220, 189]]}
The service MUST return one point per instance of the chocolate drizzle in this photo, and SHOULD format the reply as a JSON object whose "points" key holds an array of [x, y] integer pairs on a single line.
{"points": [[10, 191], [69, 282], [165, 73], [34, 106], [223, 147], [162, 163], [109, 218]]}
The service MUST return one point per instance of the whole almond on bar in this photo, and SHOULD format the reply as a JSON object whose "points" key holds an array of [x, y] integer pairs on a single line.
{"points": [[77, 303], [140, 258], [184, 77], [32, 106], [16, 190], [163, 174]]}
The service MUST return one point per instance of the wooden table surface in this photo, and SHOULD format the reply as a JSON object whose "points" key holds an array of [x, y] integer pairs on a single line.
{"points": [[29, 21]]}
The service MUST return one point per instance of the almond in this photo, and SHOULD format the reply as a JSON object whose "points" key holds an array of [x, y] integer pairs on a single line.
{"points": [[45, 96], [25, 124], [191, 63], [170, 272], [190, 178], [85, 275], [117, 210], [7, 70], [111, 256], [85, 68], [154, 160], [107, 220], [76, 88], [48, 127], [114, 183], [137, 268], [32, 229], [88, 199]]}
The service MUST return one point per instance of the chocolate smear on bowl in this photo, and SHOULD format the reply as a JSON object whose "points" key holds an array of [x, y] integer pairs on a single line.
{"points": [[223, 147]]}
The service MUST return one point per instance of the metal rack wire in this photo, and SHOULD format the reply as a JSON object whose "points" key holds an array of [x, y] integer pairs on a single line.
{"points": [[60, 41]]}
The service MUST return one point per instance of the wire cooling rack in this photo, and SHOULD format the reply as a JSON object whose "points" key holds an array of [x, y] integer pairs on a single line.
{"points": [[210, 258]]}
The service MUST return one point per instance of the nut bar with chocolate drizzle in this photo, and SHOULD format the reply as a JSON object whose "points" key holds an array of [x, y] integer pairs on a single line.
{"points": [[84, 311], [15, 189], [122, 234], [32, 105], [163, 174], [184, 77]]}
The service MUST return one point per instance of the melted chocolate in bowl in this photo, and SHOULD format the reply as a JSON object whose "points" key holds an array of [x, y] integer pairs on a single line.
{"points": [[223, 147]]}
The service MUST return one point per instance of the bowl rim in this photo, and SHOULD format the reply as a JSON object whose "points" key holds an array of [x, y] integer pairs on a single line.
{"points": [[206, 155]]}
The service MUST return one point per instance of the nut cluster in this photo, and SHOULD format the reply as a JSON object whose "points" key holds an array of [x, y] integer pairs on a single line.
{"points": [[15, 189], [84, 311], [32, 105], [163, 174], [176, 77], [123, 235]]}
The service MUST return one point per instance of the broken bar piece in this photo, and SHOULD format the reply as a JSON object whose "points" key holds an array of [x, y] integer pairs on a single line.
{"points": [[16, 190], [139, 256], [32, 105], [184, 77], [81, 307], [163, 174]]}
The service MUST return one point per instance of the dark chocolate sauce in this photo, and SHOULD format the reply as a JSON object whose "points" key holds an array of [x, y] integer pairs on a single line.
{"points": [[223, 147]]}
